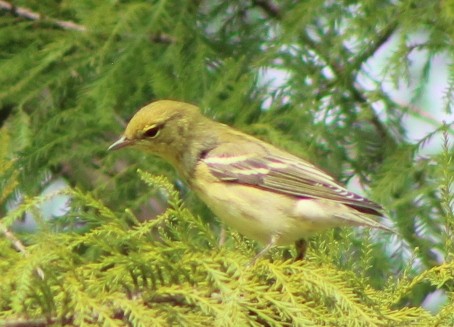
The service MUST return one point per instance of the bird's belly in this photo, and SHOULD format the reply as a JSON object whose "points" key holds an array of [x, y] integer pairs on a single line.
{"points": [[256, 213]]}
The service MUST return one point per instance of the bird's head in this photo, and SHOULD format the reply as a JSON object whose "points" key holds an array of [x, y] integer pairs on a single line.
{"points": [[163, 127]]}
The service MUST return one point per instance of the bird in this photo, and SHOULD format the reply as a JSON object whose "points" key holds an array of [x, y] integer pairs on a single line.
{"points": [[255, 188]]}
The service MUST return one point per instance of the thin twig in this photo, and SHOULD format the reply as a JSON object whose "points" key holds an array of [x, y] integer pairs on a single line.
{"points": [[14, 240], [37, 322], [163, 38], [18, 245], [69, 25], [29, 14]]}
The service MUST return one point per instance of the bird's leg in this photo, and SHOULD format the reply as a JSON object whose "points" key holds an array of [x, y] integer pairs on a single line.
{"points": [[270, 244], [301, 247], [222, 236]]}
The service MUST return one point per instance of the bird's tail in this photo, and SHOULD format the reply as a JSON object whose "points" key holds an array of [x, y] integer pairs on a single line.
{"points": [[360, 219]]}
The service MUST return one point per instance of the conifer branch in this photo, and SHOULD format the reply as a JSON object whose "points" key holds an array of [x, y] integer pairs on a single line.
{"points": [[105, 265], [339, 71], [382, 37], [348, 81]]}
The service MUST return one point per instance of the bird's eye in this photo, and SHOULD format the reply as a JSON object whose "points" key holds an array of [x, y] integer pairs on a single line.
{"points": [[152, 131]]}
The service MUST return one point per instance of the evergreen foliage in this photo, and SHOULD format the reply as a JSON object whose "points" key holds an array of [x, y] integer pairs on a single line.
{"points": [[134, 247]]}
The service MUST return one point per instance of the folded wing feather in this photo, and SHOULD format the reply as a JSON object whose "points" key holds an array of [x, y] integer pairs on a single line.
{"points": [[280, 172]]}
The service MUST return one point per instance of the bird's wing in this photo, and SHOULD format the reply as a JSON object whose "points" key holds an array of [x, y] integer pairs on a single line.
{"points": [[254, 164]]}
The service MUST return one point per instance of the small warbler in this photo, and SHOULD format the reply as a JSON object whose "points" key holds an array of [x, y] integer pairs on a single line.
{"points": [[264, 193]]}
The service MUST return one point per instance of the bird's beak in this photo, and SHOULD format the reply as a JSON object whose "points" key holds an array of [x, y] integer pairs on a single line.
{"points": [[120, 143]]}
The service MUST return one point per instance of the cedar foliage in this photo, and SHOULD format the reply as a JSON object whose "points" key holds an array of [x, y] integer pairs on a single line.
{"points": [[134, 247]]}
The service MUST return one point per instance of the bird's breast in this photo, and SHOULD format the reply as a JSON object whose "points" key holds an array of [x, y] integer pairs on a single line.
{"points": [[256, 213]]}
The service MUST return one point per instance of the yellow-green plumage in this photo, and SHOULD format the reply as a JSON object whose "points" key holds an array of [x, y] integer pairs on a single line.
{"points": [[263, 192]]}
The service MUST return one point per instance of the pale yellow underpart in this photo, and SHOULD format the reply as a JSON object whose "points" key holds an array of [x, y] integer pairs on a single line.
{"points": [[260, 214]]}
